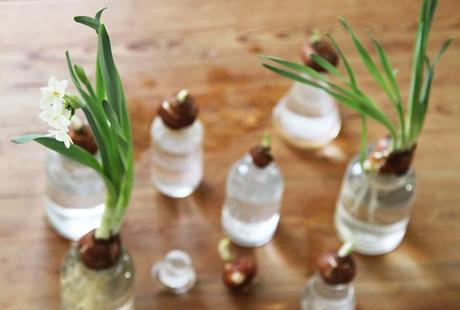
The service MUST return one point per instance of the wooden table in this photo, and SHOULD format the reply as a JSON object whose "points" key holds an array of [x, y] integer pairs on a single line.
{"points": [[210, 48]]}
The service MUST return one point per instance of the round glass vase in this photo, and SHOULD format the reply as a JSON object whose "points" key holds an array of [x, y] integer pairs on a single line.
{"points": [[307, 117], [373, 209], [106, 289], [75, 194]]}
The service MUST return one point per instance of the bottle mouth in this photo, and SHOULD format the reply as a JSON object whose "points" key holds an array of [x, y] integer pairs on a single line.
{"points": [[99, 254]]}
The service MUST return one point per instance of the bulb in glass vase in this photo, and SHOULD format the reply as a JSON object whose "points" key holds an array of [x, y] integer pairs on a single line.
{"points": [[82, 287], [254, 191], [75, 195], [308, 117], [177, 147], [331, 288], [373, 208]]}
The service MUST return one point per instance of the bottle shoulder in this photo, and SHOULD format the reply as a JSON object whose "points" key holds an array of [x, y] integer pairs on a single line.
{"points": [[245, 170], [177, 140]]}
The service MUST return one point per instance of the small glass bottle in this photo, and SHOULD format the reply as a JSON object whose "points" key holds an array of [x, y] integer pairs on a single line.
{"points": [[175, 272], [308, 117], [331, 287], [253, 198], [75, 194], [373, 208], [177, 152]]}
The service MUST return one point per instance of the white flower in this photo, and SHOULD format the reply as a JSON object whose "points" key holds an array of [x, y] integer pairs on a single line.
{"points": [[61, 135], [57, 118], [55, 112], [53, 94]]}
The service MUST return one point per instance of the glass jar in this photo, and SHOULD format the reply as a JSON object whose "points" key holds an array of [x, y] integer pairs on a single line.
{"points": [[319, 295], [307, 117], [252, 204], [373, 209], [107, 289], [75, 196], [177, 158]]}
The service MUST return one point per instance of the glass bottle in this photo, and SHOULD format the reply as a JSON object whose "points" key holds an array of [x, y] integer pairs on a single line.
{"points": [[177, 147], [106, 289], [75, 194], [254, 191], [373, 208], [175, 272], [331, 287], [308, 117]]}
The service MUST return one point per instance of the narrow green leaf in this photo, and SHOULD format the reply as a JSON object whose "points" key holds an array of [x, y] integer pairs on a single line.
{"points": [[100, 90], [80, 72], [362, 107], [389, 71], [344, 60], [74, 151], [108, 70], [442, 50], [88, 21], [363, 144], [99, 13], [367, 60]]}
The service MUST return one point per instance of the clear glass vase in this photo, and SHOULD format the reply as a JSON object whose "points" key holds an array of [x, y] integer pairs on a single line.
{"points": [[319, 295], [373, 209], [74, 197], [177, 158], [250, 214], [107, 289], [307, 117]]}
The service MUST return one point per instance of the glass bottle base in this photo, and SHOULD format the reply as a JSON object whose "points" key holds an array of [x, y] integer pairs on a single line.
{"points": [[368, 239], [174, 191], [304, 132], [249, 234], [107, 289], [72, 223]]}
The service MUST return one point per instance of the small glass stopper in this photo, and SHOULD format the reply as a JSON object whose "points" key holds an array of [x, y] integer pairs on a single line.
{"points": [[175, 272]]}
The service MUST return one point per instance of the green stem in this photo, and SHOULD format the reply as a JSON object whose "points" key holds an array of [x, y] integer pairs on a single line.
{"points": [[104, 231]]}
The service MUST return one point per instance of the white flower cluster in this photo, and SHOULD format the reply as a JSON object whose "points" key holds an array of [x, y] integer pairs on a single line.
{"points": [[55, 112]]}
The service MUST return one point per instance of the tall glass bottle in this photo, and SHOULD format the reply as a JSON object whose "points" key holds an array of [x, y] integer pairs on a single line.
{"points": [[254, 191], [177, 152], [308, 117], [331, 287], [373, 208], [75, 194]]}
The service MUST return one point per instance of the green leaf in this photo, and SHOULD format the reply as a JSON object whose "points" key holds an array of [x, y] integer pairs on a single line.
{"points": [[80, 72], [74, 151], [367, 60], [362, 107], [344, 60], [363, 144], [108, 70], [99, 13], [88, 21], [389, 71], [442, 50], [100, 90]]}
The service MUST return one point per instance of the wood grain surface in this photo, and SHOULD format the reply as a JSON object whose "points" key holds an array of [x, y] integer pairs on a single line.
{"points": [[211, 47]]}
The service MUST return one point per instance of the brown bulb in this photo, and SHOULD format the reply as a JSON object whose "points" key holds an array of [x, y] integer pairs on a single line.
{"points": [[398, 162], [98, 253], [335, 269], [83, 137], [240, 274], [321, 48], [178, 111], [261, 156]]}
